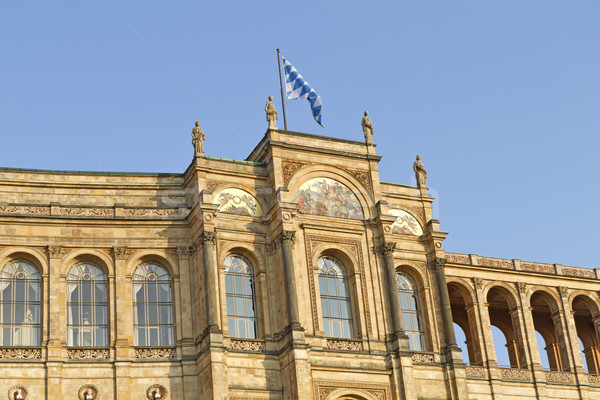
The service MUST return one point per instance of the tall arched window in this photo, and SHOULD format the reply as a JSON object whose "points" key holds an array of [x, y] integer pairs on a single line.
{"points": [[20, 290], [87, 323], [335, 298], [239, 291], [411, 316], [152, 306]]}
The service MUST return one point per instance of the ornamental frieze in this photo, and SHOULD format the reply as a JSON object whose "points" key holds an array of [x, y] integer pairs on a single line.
{"points": [[515, 374], [87, 212], [247, 345], [422, 358], [475, 372], [155, 352], [24, 210], [494, 263], [88, 354], [583, 273], [559, 377], [533, 267], [342, 344], [20, 354], [458, 258]]}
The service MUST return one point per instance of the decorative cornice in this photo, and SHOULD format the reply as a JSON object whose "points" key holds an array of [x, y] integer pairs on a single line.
{"points": [[155, 352], [88, 354], [247, 345], [14, 353]]}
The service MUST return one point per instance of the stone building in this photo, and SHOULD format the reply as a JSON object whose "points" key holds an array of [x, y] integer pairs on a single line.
{"points": [[295, 274]]}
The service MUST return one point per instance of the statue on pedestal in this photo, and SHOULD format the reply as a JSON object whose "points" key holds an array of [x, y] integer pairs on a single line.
{"points": [[271, 113], [420, 172], [198, 140], [367, 127]]}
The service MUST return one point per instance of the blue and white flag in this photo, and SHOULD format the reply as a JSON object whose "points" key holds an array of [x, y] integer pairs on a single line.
{"points": [[297, 88]]}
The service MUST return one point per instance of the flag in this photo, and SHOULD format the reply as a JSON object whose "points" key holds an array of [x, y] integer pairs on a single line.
{"points": [[297, 88]]}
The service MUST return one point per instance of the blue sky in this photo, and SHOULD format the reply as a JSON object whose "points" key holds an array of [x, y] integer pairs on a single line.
{"points": [[507, 119]]}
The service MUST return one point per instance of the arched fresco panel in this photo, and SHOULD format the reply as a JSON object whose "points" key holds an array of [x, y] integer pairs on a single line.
{"points": [[405, 223], [325, 196], [238, 201]]}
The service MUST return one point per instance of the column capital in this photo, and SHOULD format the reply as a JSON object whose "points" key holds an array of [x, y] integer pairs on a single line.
{"points": [[184, 252], [387, 248], [119, 252], [439, 263], [287, 236], [209, 237], [54, 251]]}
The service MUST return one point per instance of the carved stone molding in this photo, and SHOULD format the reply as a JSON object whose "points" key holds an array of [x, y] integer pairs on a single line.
{"points": [[209, 237], [120, 253], [88, 354], [355, 247], [521, 287], [533, 267], [157, 392], [247, 345], [559, 377], [25, 210], [155, 352], [88, 212], [594, 380], [322, 389], [364, 177], [287, 236], [344, 344], [494, 263], [150, 212], [87, 390], [54, 251], [458, 258], [212, 185], [387, 248], [184, 252], [581, 272], [478, 282], [20, 353], [516, 374], [271, 248], [438, 263], [15, 390], [289, 168], [422, 358], [475, 372], [564, 292]]}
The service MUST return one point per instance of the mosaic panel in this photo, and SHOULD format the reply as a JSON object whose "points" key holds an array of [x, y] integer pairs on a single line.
{"points": [[325, 196], [237, 201], [405, 223]]}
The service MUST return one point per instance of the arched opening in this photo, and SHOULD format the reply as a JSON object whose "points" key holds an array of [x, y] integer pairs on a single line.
{"points": [[461, 342], [546, 321], [505, 325], [586, 332], [463, 314], [408, 294]]}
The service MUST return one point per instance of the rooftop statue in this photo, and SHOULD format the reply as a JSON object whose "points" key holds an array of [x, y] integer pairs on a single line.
{"points": [[420, 172], [198, 140], [367, 127], [271, 113]]}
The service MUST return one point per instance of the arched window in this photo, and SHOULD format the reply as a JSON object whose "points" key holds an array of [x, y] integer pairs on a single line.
{"points": [[152, 306], [239, 291], [335, 298], [87, 324], [20, 294], [411, 315]]}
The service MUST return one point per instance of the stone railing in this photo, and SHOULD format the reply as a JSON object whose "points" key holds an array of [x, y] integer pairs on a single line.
{"points": [[21, 353], [247, 345], [475, 371], [88, 354], [559, 377], [515, 374], [554, 269], [423, 358], [594, 380], [344, 344], [161, 353]]}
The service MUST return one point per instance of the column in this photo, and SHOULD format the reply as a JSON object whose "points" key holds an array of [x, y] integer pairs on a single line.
{"points": [[287, 239], [438, 266], [387, 250], [184, 296], [208, 243], [55, 298]]}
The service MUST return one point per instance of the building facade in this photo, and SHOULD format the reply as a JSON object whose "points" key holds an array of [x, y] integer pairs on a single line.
{"points": [[295, 274]]}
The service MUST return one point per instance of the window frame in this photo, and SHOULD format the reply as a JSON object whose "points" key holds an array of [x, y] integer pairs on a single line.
{"points": [[235, 318], [348, 298], [417, 312]]}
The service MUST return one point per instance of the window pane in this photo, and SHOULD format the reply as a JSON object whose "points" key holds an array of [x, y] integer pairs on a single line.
{"points": [[153, 337], [152, 315], [228, 284], [230, 306], [240, 297], [100, 315], [231, 327], [140, 336], [100, 292], [251, 330], [164, 292], [165, 315], [138, 316], [151, 293]]}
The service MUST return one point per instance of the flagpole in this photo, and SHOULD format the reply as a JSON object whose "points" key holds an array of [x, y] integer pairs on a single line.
{"points": [[281, 87]]}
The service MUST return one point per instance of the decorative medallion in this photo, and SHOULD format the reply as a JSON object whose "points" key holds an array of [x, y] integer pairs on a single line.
{"points": [[156, 392], [325, 196], [18, 392], [89, 392], [237, 201], [405, 223]]}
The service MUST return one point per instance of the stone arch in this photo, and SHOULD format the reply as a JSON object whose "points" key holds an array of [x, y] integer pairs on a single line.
{"points": [[350, 394], [309, 172], [339, 251], [248, 250], [585, 314], [161, 257], [97, 257], [34, 256], [462, 303], [544, 306], [502, 304]]}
